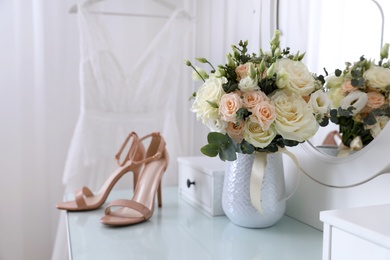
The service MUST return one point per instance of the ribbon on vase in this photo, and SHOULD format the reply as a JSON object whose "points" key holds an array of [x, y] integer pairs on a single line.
{"points": [[257, 176]]}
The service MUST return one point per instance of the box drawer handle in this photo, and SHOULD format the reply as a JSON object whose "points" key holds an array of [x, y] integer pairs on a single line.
{"points": [[189, 183]]}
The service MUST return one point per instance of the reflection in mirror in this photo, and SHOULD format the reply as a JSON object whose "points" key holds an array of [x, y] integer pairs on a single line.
{"points": [[337, 32]]}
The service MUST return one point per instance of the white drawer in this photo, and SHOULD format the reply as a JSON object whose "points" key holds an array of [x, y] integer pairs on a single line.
{"points": [[357, 233], [201, 182]]}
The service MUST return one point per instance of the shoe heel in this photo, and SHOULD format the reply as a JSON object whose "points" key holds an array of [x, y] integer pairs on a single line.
{"points": [[159, 196]]}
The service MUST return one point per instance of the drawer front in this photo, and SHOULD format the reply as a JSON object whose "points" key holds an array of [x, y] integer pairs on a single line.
{"points": [[345, 245], [200, 185]]}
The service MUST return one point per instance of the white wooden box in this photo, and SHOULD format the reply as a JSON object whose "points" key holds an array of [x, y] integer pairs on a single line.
{"points": [[357, 233], [201, 181]]}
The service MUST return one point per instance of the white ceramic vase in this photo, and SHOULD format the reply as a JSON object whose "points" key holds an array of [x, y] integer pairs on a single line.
{"points": [[236, 199]]}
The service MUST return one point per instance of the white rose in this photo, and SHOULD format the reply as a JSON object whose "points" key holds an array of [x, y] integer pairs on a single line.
{"points": [[356, 99], [211, 91], [378, 77], [248, 84], [294, 118], [319, 102], [294, 76], [217, 125], [380, 124], [255, 135]]}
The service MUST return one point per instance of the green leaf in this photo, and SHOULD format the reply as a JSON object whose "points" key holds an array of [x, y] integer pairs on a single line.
{"points": [[217, 138], [337, 72], [210, 150], [241, 114], [220, 144], [324, 122], [246, 147], [230, 86], [370, 119]]}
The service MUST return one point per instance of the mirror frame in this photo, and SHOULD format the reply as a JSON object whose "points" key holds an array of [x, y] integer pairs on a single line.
{"points": [[345, 172]]}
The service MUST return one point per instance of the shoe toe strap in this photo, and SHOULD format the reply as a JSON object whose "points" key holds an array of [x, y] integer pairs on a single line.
{"points": [[80, 197], [147, 213]]}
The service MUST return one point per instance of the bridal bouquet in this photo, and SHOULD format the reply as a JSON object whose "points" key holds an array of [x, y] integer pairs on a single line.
{"points": [[360, 99], [258, 102]]}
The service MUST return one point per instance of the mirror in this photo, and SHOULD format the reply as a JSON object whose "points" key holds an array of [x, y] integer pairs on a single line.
{"points": [[337, 32], [331, 182]]}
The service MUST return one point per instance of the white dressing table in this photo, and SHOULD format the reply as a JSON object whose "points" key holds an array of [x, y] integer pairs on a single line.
{"points": [[180, 231]]}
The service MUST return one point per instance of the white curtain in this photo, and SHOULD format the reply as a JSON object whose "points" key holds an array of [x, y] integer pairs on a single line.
{"points": [[38, 110], [40, 101], [222, 23]]}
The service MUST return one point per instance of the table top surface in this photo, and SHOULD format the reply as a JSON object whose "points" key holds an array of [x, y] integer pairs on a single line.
{"points": [[178, 230]]}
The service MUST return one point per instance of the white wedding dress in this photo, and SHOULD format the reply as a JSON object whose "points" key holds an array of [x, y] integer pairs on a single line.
{"points": [[115, 102]]}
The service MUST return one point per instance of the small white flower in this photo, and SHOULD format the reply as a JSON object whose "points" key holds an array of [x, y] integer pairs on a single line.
{"points": [[319, 102], [248, 84], [356, 99]]}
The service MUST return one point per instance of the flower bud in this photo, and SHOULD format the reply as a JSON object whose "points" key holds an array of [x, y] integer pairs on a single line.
{"points": [[236, 53], [187, 62], [275, 41], [229, 61], [220, 72], [296, 56], [202, 60], [271, 71], [262, 66], [277, 52], [199, 74], [385, 51], [252, 71]]}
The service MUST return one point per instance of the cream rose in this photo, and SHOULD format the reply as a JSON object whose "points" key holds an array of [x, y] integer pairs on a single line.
{"points": [[294, 118], [252, 98], [375, 100], [263, 114], [236, 132], [356, 99], [255, 135], [294, 76], [319, 102], [228, 106], [377, 77]]}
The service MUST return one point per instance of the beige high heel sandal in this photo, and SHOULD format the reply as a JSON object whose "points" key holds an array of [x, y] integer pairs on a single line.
{"points": [[86, 200], [140, 208]]}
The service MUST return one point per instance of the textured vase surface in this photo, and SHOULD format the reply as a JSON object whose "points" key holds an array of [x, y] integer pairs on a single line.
{"points": [[236, 201]]}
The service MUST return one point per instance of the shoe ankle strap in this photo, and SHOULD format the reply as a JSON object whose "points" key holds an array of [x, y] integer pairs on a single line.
{"points": [[132, 150], [160, 149]]}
